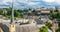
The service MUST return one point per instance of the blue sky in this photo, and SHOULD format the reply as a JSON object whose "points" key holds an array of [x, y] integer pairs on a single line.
{"points": [[30, 3]]}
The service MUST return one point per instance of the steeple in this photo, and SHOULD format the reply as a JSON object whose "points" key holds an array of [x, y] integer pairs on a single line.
{"points": [[12, 13], [12, 23]]}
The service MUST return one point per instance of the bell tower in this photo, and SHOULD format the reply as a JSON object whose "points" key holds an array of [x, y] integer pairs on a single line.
{"points": [[12, 23]]}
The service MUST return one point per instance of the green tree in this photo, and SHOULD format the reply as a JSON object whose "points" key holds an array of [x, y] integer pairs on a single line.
{"points": [[58, 30], [18, 14], [33, 11], [9, 10], [25, 10], [48, 24], [21, 11], [56, 15], [1, 12], [44, 29]]}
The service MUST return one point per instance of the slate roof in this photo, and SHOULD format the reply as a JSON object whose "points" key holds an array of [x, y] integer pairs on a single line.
{"points": [[4, 27], [39, 21]]}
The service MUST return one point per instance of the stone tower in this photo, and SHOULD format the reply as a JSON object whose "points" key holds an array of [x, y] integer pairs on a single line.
{"points": [[12, 28], [12, 24]]}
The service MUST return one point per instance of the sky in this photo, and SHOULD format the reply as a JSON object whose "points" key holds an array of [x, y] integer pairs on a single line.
{"points": [[30, 3]]}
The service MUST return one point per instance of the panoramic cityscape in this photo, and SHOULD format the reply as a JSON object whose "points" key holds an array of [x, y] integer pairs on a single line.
{"points": [[29, 15]]}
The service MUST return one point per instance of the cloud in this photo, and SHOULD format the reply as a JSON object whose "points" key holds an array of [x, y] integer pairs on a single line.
{"points": [[57, 1], [49, 1], [4, 2], [7, 1], [30, 3], [53, 1]]}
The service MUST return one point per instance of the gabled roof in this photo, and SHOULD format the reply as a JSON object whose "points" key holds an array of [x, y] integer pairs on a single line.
{"points": [[39, 21]]}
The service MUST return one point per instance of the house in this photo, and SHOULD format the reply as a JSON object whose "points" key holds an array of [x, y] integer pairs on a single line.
{"points": [[54, 25], [45, 11], [41, 11]]}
